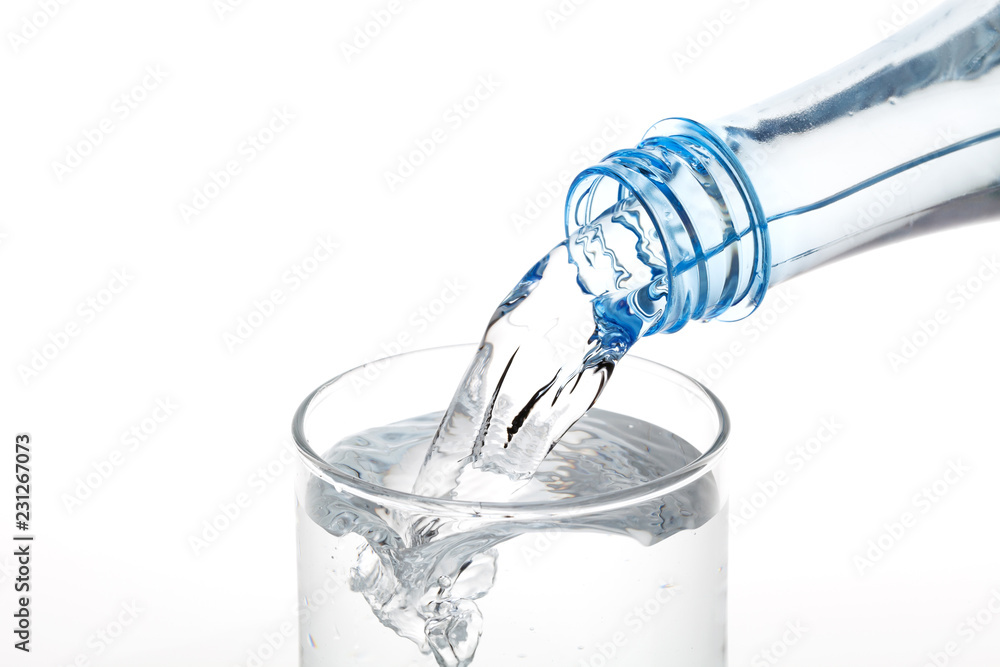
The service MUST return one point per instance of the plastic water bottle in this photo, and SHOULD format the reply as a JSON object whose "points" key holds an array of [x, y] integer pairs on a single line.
{"points": [[901, 139]]}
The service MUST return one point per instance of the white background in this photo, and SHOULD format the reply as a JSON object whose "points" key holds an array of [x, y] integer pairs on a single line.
{"points": [[191, 281]]}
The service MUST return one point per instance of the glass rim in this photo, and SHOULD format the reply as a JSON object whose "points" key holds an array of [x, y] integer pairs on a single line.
{"points": [[612, 500]]}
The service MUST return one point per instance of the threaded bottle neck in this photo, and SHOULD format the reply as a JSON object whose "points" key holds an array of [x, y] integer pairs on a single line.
{"points": [[692, 222]]}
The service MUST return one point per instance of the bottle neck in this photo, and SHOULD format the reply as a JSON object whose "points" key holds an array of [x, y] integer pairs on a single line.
{"points": [[898, 140], [690, 211]]}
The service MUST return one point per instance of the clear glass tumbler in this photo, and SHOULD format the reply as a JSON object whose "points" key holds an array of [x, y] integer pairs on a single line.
{"points": [[605, 563]]}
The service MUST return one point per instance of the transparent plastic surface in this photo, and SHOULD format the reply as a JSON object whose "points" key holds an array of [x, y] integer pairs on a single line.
{"points": [[614, 553], [901, 139]]}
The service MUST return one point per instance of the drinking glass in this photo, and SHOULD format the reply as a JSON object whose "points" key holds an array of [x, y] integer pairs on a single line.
{"points": [[633, 575]]}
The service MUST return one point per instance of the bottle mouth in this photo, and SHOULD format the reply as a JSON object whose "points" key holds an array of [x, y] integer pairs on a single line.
{"points": [[336, 398], [713, 254]]}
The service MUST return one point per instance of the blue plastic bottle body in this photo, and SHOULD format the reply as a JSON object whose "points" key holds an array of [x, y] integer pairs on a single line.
{"points": [[903, 138]]}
